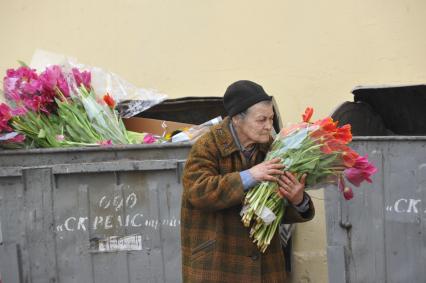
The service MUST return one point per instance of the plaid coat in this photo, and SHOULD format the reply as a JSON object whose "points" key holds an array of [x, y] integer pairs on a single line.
{"points": [[215, 245]]}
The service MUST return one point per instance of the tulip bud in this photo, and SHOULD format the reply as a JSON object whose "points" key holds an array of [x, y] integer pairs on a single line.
{"points": [[348, 193]]}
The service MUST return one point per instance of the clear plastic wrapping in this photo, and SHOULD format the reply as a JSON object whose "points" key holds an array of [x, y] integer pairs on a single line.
{"points": [[131, 100], [195, 132]]}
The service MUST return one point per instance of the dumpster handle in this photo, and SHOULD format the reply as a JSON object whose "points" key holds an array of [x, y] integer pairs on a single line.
{"points": [[344, 215], [95, 167]]}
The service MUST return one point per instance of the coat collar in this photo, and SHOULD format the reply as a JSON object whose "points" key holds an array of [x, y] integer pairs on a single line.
{"points": [[225, 141]]}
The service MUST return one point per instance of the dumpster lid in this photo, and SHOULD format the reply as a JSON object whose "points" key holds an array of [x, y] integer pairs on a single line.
{"points": [[394, 110], [196, 110]]}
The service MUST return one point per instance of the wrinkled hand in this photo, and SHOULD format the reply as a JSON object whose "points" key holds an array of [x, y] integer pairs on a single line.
{"points": [[267, 170], [291, 189]]}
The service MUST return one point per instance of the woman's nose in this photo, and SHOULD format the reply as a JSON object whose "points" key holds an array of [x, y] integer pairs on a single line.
{"points": [[268, 125]]}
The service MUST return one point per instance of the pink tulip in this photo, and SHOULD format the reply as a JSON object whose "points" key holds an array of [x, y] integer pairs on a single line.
{"points": [[32, 87], [39, 103], [105, 143], [149, 139], [17, 139], [9, 88], [35, 92], [20, 111], [60, 138], [361, 171], [20, 83], [82, 78], [5, 112], [5, 116], [53, 78]]}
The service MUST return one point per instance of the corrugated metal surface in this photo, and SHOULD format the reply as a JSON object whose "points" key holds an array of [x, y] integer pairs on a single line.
{"points": [[91, 215], [380, 235]]}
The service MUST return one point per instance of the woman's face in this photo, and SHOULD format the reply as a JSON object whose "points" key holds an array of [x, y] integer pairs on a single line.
{"points": [[256, 126]]}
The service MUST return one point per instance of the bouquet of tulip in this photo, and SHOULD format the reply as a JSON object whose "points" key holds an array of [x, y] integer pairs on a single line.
{"points": [[58, 108], [318, 149]]}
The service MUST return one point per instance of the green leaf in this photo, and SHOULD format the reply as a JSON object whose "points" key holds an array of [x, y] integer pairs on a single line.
{"points": [[307, 166], [22, 63], [41, 133]]}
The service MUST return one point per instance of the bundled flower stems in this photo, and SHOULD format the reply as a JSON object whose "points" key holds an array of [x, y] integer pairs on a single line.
{"points": [[320, 150]]}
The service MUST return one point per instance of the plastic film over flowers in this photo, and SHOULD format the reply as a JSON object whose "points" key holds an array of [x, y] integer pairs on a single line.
{"points": [[130, 99]]}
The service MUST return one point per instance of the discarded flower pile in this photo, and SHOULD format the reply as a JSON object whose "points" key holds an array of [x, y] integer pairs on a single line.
{"points": [[318, 149], [58, 108]]}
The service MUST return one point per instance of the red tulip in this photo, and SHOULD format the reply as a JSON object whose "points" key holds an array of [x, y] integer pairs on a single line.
{"points": [[348, 193], [327, 125], [344, 134], [332, 146], [109, 100], [349, 157], [308, 114]]}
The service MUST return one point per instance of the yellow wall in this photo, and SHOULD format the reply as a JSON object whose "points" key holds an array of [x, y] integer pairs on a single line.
{"points": [[302, 52]]}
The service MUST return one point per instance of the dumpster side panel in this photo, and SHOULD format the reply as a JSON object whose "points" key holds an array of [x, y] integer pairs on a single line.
{"points": [[73, 232], [105, 206], [404, 198], [12, 229], [353, 228], [366, 226], [119, 226], [39, 227], [380, 234], [141, 264]]}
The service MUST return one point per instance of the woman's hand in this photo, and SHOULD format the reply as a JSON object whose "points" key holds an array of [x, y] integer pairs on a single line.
{"points": [[291, 189], [267, 170]]}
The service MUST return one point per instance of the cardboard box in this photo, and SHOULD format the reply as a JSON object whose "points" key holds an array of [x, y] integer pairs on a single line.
{"points": [[153, 126]]}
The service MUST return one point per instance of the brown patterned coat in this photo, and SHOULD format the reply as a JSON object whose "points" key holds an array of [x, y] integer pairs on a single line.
{"points": [[215, 245]]}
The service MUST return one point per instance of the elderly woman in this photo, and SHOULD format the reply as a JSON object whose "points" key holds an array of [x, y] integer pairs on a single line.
{"points": [[222, 166]]}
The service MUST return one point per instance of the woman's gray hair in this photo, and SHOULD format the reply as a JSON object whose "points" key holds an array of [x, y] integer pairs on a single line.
{"points": [[242, 115]]}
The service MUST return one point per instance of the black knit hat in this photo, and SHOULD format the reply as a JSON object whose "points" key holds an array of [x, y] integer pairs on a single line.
{"points": [[241, 95]]}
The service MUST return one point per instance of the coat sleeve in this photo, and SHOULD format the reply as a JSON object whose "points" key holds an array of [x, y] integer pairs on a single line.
{"points": [[293, 216], [204, 187]]}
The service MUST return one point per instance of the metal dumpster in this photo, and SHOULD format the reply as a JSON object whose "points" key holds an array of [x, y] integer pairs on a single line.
{"points": [[380, 235], [97, 214]]}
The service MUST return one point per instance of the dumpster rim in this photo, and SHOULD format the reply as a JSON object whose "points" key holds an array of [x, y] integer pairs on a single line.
{"points": [[389, 138], [124, 147]]}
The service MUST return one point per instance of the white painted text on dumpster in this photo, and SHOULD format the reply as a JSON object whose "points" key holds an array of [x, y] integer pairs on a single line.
{"points": [[109, 221], [406, 205]]}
